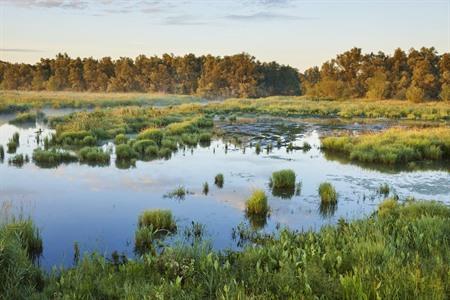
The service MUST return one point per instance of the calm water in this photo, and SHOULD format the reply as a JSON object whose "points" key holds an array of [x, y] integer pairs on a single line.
{"points": [[98, 207]]}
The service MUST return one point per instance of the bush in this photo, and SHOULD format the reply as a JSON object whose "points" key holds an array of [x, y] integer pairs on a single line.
{"points": [[94, 156], [159, 219], [327, 193], [257, 204], [218, 180]]}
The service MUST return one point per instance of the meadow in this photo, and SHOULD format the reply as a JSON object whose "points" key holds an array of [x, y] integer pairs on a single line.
{"points": [[400, 252]]}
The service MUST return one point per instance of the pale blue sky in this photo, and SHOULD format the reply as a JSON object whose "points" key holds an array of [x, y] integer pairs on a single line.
{"points": [[298, 33]]}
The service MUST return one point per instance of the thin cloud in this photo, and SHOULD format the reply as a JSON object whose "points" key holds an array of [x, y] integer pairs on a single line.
{"points": [[183, 20], [71, 4], [267, 16], [19, 50]]}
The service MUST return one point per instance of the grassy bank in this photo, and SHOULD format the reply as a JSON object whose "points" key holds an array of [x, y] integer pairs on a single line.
{"points": [[16, 101], [401, 252], [393, 146], [11, 101]]}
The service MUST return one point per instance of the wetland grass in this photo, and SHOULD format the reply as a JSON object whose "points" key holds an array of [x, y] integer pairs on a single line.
{"points": [[394, 146], [125, 152], [219, 180], [257, 204], [159, 219], [398, 246], [2, 153], [178, 193], [283, 183], [205, 188], [94, 156], [327, 193], [384, 189], [120, 139], [52, 158]]}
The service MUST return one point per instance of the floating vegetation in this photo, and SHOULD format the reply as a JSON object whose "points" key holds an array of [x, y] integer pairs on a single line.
{"points": [[179, 193], [205, 188], [159, 219], [327, 193], [94, 156], [52, 158], [218, 180]]}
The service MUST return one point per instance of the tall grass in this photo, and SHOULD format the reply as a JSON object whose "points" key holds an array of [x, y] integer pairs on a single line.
{"points": [[394, 146], [327, 193], [159, 219]]}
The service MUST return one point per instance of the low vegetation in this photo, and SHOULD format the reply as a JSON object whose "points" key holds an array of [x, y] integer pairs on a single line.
{"points": [[399, 246], [159, 219], [284, 179], [94, 156], [218, 180], [52, 158], [327, 193], [393, 146]]}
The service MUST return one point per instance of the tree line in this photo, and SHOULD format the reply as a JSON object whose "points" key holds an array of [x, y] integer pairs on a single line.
{"points": [[415, 75], [209, 76]]}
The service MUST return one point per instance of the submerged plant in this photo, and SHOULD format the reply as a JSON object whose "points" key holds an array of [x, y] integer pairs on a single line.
{"points": [[327, 193], [218, 180]]}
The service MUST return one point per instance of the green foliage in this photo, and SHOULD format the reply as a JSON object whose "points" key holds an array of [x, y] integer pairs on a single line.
{"points": [[257, 204], [327, 193], [125, 153], [393, 146], [159, 219], [52, 158], [20, 245], [400, 254], [218, 180], [151, 134], [284, 179], [120, 139], [94, 156], [189, 139]]}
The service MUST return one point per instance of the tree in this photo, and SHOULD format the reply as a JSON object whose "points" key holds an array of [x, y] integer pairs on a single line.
{"points": [[415, 94], [377, 85]]}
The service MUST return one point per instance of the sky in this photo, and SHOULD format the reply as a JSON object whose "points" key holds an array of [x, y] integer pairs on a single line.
{"points": [[294, 32]]}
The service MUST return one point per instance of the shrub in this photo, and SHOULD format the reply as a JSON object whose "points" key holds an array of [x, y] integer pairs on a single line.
{"points": [[120, 139], [218, 180], [327, 193], [94, 156], [159, 219], [125, 152], [284, 179], [257, 204]]}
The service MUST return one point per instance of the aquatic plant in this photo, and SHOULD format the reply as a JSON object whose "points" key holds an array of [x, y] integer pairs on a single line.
{"points": [[139, 146], [393, 146], [189, 139], [258, 148], [125, 153], [179, 193], [384, 189], [204, 139], [16, 138], [283, 179], [143, 240], [169, 143], [120, 139], [52, 158], [218, 180], [154, 134], [387, 207], [18, 160], [2, 153], [24, 117], [205, 188], [165, 153], [327, 193], [159, 219], [94, 156], [12, 146], [306, 146], [257, 204]]}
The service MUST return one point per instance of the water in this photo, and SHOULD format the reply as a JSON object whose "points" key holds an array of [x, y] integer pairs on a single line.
{"points": [[98, 207]]}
